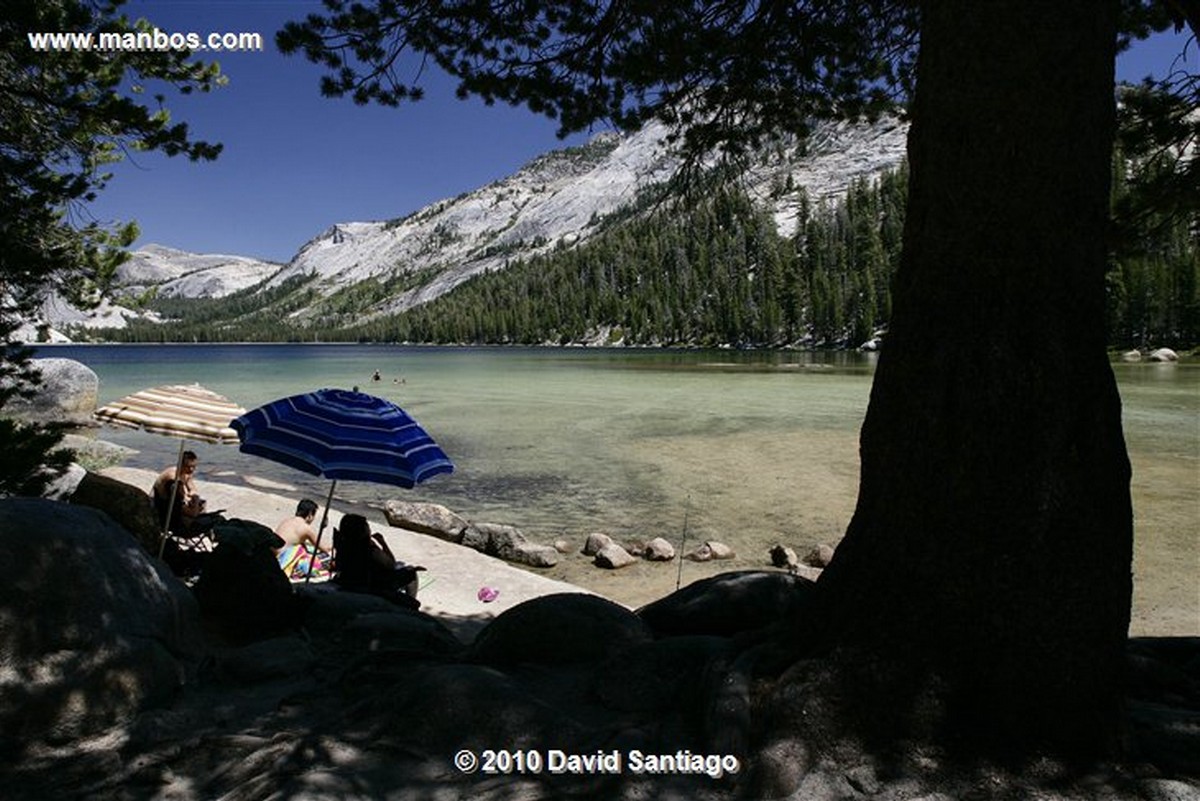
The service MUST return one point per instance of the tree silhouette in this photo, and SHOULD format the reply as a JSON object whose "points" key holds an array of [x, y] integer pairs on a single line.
{"points": [[990, 551], [66, 114]]}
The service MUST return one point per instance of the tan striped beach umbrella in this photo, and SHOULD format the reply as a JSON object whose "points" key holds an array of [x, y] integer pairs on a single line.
{"points": [[184, 411]]}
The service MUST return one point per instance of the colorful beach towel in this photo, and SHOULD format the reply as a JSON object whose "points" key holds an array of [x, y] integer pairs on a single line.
{"points": [[295, 559]]}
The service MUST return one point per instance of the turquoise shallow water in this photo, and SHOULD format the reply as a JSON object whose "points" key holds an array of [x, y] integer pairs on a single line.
{"points": [[749, 448], [553, 438]]}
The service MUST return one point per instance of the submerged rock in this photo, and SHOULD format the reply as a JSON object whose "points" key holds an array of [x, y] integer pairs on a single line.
{"points": [[659, 550], [712, 550], [613, 557], [595, 542]]}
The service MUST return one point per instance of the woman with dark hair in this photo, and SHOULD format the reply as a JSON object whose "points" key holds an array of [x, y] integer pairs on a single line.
{"points": [[364, 563]]}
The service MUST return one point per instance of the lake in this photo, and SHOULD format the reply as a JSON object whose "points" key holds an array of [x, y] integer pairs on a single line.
{"points": [[750, 448]]}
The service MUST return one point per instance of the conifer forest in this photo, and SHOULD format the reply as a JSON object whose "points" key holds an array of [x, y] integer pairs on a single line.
{"points": [[701, 272]]}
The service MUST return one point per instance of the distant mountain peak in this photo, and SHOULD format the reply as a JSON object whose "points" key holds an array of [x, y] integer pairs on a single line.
{"points": [[553, 200]]}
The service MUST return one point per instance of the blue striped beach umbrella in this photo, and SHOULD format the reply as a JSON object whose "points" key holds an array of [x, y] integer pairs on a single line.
{"points": [[342, 435]]}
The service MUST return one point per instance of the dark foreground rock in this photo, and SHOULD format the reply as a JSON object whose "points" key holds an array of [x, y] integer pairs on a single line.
{"points": [[565, 628], [92, 630], [129, 506], [364, 699], [728, 604]]}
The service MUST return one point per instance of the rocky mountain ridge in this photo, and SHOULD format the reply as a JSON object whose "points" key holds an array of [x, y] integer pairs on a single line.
{"points": [[176, 273], [557, 200]]}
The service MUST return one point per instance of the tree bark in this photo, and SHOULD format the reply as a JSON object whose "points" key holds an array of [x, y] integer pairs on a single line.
{"points": [[991, 545]]}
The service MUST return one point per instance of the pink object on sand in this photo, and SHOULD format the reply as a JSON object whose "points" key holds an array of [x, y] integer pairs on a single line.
{"points": [[487, 594]]}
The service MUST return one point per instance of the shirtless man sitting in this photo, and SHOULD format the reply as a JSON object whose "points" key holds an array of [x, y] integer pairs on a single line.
{"points": [[188, 503], [298, 530]]}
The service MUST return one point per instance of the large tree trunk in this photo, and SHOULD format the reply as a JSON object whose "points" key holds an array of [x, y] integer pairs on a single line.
{"points": [[992, 541]]}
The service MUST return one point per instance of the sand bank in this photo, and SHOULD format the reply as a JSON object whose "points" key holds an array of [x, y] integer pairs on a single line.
{"points": [[455, 574]]}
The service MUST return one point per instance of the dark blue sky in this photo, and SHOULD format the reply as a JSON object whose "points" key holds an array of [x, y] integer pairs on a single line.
{"points": [[295, 163]]}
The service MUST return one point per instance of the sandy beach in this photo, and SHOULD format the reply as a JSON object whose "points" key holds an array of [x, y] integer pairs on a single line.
{"points": [[1166, 606], [454, 575]]}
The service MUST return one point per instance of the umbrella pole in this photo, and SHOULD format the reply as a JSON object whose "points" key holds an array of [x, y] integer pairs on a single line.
{"points": [[162, 544], [320, 531], [683, 542]]}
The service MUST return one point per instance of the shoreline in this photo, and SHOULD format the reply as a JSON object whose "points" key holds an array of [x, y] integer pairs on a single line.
{"points": [[454, 574], [1115, 353], [631, 586]]}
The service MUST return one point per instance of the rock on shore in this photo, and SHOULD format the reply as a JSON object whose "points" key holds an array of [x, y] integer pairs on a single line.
{"points": [[66, 396], [361, 698]]}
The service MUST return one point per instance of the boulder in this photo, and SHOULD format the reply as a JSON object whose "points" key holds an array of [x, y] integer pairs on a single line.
{"points": [[426, 518], [785, 557], [820, 556], [712, 550], [66, 395], [265, 660], [558, 629], [241, 588], [92, 630], [720, 550], [808, 572], [509, 544], [659, 550], [651, 677], [128, 505], [371, 623], [438, 709], [329, 608], [96, 454], [1163, 355], [63, 486], [728, 604], [613, 556], [475, 539], [1156, 789], [595, 541], [401, 629]]}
